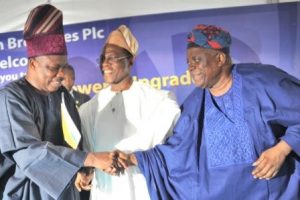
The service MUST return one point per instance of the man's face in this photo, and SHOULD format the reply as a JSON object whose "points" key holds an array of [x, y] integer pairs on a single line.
{"points": [[203, 66], [115, 65], [68, 81], [48, 72]]}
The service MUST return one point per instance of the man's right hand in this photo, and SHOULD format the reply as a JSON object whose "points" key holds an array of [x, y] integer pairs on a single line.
{"points": [[105, 161], [101, 160], [126, 160]]}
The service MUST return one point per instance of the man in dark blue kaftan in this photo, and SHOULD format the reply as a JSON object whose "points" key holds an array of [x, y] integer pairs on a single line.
{"points": [[35, 161], [30, 117], [238, 136]]}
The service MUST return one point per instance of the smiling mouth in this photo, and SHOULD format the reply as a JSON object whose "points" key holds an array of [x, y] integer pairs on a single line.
{"points": [[107, 71], [58, 83], [196, 74]]}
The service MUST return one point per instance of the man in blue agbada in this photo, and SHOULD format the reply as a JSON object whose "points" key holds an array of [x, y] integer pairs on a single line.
{"points": [[239, 133]]}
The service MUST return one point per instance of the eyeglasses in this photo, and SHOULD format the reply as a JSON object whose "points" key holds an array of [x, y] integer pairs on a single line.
{"points": [[110, 59]]}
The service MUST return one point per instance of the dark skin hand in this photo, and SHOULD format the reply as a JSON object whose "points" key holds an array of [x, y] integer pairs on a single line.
{"points": [[126, 160], [84, 181], [105, 161], [270, 161]]}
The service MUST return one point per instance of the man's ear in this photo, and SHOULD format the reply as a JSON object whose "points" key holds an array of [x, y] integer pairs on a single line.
{"points": [[131, 61], [222, 58], [31, 63]]}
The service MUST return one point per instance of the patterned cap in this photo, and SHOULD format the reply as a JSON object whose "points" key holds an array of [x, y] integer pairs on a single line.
{"points": [[44, 32], [210, 37], [123, 38]]}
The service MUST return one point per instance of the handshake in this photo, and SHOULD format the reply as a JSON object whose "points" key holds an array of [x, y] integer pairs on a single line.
{"points": [[113, 163]]}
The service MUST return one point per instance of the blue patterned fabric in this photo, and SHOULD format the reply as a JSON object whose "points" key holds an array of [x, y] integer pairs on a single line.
{"points": [[226, 134]]}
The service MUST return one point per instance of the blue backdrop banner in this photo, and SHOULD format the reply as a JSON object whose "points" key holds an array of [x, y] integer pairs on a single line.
{"points": [[268, 34]]}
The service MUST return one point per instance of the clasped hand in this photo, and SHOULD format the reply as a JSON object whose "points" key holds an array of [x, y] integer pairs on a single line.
{"points": [[113, 163]]}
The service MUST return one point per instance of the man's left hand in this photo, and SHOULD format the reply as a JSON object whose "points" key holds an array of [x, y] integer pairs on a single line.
{"points": [[270, 161], [83, 181]]}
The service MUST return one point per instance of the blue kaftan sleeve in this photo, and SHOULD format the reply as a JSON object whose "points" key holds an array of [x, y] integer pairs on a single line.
{"points": [[164, 166], [50, 167], [284, 96], [278, 100]]}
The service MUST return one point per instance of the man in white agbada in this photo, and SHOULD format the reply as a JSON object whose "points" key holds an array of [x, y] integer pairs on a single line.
{"points": [[127, 116]]}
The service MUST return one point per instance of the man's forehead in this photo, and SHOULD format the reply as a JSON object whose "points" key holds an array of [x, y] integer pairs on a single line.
{"points": [[53, 60], [112, 49], [200, 50], [58, 58]]}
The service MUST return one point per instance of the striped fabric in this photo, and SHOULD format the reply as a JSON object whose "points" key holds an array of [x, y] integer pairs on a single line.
{"points": [[44, 33], [123, 38]]}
